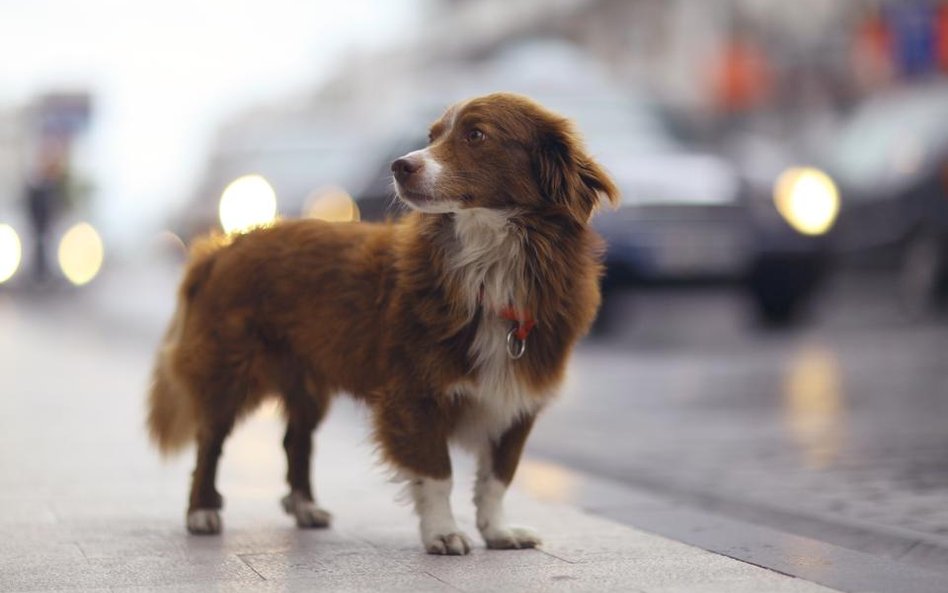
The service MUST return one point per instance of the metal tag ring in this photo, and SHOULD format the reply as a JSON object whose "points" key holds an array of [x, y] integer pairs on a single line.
{"points": [[515, 346]]}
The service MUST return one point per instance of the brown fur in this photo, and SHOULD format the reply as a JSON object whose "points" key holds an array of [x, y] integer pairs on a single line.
{"points": [[306, 309], [506, 451]]}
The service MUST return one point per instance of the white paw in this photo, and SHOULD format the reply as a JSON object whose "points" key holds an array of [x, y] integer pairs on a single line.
{"points": [[306, 512], [204, 521], [450, 544], [511, 538]]}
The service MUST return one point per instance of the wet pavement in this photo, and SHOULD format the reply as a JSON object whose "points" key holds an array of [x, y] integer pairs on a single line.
{"points": [[836, 429]]}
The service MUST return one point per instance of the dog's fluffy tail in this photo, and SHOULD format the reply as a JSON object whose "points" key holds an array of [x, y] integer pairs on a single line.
{"points": [[171, 409], [171, 421]]}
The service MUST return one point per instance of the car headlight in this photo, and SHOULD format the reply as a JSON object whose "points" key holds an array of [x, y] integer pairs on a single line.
{"points": [[81, 253], [332, 204], [10, 252], [807, 199], [246, 203]]}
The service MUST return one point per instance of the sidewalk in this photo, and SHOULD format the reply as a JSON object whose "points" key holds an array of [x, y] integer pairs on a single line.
{"points": [[86, 505], [140, 545]]}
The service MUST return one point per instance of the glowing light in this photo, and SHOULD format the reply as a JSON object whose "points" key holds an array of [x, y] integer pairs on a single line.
{"points": [[547, 481], [81, 253], [11, 252], [807, 199], [248, 202], [813, 404], [333, 204]]}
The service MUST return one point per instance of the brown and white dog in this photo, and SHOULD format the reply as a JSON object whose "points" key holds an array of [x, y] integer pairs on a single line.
{"points": [[454, 324]]}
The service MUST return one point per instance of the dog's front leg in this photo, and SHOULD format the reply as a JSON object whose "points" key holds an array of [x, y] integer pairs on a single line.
{"points": [[413, 435], [440, 533], [496, 465]]}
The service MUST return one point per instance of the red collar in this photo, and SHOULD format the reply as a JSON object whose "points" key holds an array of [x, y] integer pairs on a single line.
{"points": [[524, 320]]}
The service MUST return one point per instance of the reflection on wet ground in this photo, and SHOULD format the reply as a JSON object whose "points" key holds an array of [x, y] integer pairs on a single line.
{"points": [[813, 405], [840, 421]]}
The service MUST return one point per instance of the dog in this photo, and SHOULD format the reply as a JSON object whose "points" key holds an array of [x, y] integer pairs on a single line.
{"points": [[453, 324]]}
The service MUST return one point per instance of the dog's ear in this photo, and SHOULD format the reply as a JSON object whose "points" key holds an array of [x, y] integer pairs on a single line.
{"points": [[567, 175]]}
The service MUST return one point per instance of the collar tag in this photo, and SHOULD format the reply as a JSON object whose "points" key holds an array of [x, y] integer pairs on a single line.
{"points": [[517, 336], [515, 346]]}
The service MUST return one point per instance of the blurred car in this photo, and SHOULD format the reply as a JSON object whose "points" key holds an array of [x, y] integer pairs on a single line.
{"points": [[890, 159], [301, 154], [686, 214], [691, 215]]}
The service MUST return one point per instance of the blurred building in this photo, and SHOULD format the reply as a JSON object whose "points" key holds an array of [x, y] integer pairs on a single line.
{"points": [[667, 48], [712, 61]]}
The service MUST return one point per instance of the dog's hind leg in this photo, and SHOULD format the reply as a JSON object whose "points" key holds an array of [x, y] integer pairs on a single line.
{"points": [[304, 410], [205, 502]]}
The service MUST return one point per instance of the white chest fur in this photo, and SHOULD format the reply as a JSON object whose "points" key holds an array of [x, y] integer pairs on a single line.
{"points": [[490, 268]]}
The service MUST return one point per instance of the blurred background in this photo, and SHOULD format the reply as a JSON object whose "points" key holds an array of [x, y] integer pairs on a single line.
{"points": [[772, 341]]}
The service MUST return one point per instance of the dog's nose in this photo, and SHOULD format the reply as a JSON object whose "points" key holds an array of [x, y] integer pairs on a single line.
{"points": [[404, 167]]}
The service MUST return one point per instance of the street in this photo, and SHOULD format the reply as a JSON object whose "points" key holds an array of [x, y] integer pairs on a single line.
{"points": [[834, 429]]}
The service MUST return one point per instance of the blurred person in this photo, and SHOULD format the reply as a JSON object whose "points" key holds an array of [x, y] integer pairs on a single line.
{"points": [[872, 50], [46, 197], [741, 77]]}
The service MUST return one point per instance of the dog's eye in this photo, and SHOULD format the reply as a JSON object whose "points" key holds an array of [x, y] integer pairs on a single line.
{"points": [[475, 136], [430, 137]]}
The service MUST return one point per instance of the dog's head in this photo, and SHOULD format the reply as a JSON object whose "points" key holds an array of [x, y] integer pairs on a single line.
{"points": [[504, 152]]}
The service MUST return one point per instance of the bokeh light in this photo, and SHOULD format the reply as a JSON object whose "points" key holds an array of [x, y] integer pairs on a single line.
{"points": [[248, 202], [332, 204], [11, 252], [81, 253], [808, 199], [548, 481], [813, 404]]}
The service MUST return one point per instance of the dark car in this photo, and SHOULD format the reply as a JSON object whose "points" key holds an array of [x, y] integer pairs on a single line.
{"points": [[691, 215], [890, 159], [686, 214]]}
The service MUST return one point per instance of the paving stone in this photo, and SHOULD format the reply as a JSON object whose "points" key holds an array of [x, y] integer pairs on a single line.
{"points": [[82, 590], [335, 558], [627, 575], [43, 541], [335, 583], [36, 575], [758, 585], [616, 546]]}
